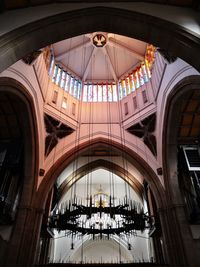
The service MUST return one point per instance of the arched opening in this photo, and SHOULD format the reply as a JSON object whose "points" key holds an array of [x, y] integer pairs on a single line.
{"points": [[72, 180], [182, 134], [18, 164], [161, 33], [132, 24]]}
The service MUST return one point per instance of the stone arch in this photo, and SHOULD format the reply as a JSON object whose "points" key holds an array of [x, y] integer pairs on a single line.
{"points": [[167, 35], [182, 231], [52, 174], [20, 108], [104, 164]]}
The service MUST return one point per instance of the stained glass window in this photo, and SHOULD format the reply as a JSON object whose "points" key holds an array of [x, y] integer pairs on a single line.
{"points": [[79, 90], [75, 88], [85, 93], [71, 87], [104, 93], [110, 92], [62, 83], [51, 65], [58, 77], [55, 73], [67, 82], [94, 93], [114, 88], [100, 92]]}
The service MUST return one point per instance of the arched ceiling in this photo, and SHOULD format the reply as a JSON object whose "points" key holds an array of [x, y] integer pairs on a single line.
{"points": [[99, 56], [10, 4]]}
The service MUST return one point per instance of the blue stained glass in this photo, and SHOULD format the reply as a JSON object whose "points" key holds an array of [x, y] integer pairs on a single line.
{"points": [[67, 82], [79, 90], [71, 85], [62, 83], [58, 77], [75, 88], [120, 91], [145, 73], [55, 73]]}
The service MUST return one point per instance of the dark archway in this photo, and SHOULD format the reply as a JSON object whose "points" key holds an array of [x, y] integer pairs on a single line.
{"points": [[169, 36], [18, 130], [173, 135]]}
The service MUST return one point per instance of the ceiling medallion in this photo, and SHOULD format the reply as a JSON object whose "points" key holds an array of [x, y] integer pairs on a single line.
{"points": [[99, 40]]}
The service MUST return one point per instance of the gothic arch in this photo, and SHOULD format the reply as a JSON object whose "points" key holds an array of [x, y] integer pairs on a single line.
{"points": [[110, 166], [169, 36], [181, 228], [20, 122], [51, 176]]}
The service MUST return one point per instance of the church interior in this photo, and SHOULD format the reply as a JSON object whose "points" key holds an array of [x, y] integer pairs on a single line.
{"points": [[99, 133]]}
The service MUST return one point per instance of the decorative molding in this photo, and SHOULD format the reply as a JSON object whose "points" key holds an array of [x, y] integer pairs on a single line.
{"points": [[167, 55], [30, 58], [55, 130], [145, 130]]}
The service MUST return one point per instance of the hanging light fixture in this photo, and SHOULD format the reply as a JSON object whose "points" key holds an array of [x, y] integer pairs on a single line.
{"points": [[100, 215]]}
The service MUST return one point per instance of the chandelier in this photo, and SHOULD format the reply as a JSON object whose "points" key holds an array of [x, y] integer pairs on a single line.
{"points": [[101, 216]]}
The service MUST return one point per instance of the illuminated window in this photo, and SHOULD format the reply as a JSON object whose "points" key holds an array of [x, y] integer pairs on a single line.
{"points": [[85, 93], [55, 73], [63, 76], [58, 77], [114, 88], [104, 93], [64, 103], [100, 92], [94, 93]]}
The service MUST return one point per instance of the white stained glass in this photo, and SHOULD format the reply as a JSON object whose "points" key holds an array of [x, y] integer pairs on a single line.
{"points": [[71, 87], [58, 78], [75, 88], [114, 88], [140, 74], [55, 73], [110, 92], [90, 93], [67, 82], [128, 88], [79, 90], [105, 93], [132, 85], [62, 83], [137, 83], [145, 73], [123, 83], [94, 93], [85, 93], [120, 91], [100, 92], [51, 65]]}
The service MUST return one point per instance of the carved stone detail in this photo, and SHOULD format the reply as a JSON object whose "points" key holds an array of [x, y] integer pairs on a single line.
{"points": [[55, 130], [145, 130]]}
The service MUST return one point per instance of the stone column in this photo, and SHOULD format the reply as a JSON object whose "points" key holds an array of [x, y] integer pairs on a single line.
{"points": [[23, 243]]}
